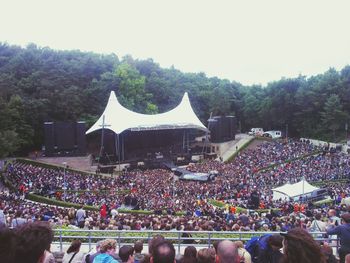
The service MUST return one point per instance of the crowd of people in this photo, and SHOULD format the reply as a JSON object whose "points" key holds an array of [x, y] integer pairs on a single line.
{"points": [[178, 205], [31, 242], [160, 191]]}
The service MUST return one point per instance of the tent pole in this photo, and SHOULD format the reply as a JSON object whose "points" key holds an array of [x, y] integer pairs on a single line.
{"points": [[102, 138], [122, 146], [119, 150]]}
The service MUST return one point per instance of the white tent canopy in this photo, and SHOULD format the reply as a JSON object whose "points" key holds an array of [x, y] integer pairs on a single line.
{"points": [[302, 188], [118, 118]]}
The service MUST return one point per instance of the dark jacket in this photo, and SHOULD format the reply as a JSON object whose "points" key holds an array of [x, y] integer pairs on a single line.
{"points": [[343, 232]]}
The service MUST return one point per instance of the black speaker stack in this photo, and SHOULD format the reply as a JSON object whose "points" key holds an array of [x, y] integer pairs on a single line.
{"points": [[222, 128], [65, 138]]}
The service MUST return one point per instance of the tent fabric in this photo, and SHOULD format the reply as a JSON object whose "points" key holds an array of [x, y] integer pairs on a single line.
{"points": [[118, 118], [301, 188]]}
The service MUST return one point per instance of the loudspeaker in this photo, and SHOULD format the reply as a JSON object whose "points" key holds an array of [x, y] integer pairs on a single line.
{"points": [[80, 137], [49, 138], [215, 132], [65, 135], [222, 128]]}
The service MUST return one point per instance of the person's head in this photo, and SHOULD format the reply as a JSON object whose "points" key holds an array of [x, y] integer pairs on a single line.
{"points": [[215, 245], [126, 253], [163, 252], [108, 246], [227, 252], [275, 241], [346, 218], [190, 251], [327, 251], [239, 244], [7, 239], [299, 246], [138, 246], [74, 246], [318, 216], [32, 239], [206, 255], [153, 242], [347, 258], [332, 212]]}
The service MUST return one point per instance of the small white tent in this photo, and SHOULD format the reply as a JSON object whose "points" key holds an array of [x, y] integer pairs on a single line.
{"points": [[118, 118], [294, 191]]}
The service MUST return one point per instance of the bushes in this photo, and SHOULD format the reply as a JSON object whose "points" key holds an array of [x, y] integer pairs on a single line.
{"points": [[49, 201]]}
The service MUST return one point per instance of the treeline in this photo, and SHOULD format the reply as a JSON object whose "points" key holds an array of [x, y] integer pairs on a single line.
{"points": [[40, 84]]}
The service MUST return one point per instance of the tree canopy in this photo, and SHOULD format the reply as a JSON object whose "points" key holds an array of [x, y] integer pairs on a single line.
{"points": [[40, 84]]}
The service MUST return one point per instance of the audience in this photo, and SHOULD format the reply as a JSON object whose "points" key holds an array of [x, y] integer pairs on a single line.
{"points": [[107, 249], [206, 255], [343, 232], [299, 246], [227, 252], [73, 254], [163, 252]]}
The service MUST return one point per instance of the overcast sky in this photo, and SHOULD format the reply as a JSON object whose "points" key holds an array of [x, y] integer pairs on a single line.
{"points": [[252, 42]]}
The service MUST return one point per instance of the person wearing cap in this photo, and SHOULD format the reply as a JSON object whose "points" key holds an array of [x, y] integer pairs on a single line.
{"points": [[343, 233]]}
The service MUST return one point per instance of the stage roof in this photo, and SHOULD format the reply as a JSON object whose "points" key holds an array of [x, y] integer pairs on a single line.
{"points": [[117, 118]]}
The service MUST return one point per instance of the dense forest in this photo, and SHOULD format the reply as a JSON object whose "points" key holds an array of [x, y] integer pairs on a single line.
{"points": [[40, 84]]}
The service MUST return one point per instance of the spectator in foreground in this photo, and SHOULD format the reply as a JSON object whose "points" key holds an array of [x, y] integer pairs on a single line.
{"points": [[73, 254], [271, 254], [138, 247], [190, 255], [31, 242], [107, 249], [227, 252], [126, 254], [299, 246], [163, 252], [343, 233], [243, 253], [206, 255]]}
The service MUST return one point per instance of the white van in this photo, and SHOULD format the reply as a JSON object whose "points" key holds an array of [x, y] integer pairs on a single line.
{"points": [[273, 134], [256, 132]]}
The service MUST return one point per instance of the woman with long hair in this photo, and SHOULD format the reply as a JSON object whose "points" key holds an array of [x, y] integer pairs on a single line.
{"points": [[299, 246], [73, 254]]}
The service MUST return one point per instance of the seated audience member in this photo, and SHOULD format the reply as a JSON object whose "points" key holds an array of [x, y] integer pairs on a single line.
{"points": [[31, 242], [299, 246], [138, 247], [163, 252], [126, 254], [107, 249], [227, 252], [206, 255], [73, 254], [243, 253], [190, 255]]}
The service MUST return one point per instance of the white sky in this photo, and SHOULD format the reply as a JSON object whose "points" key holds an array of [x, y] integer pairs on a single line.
{"points": [[252, 42]]}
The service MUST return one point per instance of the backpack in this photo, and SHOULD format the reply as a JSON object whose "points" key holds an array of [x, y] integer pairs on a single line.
{"points": [[256, 244]]}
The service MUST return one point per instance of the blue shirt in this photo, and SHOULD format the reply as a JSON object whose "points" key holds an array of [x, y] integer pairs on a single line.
{"points": [[104, 258]]}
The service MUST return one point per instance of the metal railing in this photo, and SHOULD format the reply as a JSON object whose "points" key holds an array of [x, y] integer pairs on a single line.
{"points": [[180, 239]]}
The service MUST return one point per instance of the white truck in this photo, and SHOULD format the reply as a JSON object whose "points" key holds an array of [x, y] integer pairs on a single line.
{"points": [[272, 134], [256, 132]]}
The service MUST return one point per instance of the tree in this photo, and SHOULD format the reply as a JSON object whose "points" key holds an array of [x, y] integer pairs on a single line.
{"points": [[333, 116]]}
